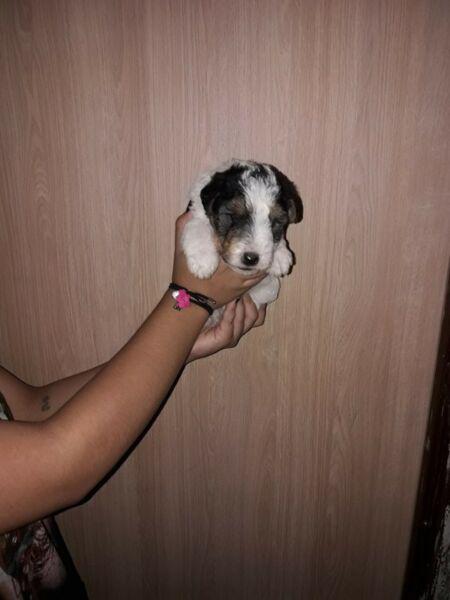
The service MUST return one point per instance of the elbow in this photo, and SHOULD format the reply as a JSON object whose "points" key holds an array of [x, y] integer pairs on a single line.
{"points": [[72, 492], [44, 478]]}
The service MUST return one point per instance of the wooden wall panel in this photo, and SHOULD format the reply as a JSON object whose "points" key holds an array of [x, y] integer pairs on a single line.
{"points": [[288, 467]]}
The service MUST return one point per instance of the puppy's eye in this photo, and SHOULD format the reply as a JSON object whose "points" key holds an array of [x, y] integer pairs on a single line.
{"points": [[277, 225], [277, 229]]}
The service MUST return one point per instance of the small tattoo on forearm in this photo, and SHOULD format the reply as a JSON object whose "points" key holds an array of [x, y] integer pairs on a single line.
{"points": [[45, 403]]}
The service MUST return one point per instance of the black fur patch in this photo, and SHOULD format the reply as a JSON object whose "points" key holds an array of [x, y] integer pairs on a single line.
{"points": [[288, 197], [224, 204], [259, 171], [224, 186], [232, 219], [279, 220]]}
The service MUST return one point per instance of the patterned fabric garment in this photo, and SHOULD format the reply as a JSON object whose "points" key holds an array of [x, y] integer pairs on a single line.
{"points": [[34, 560]]}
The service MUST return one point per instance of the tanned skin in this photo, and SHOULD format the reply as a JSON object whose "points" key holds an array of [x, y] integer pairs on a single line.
{"points": [[67, 435]]}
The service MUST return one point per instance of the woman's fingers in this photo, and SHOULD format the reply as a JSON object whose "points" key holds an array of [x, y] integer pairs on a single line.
{"points": [[251, 281], [225, 329], [261, 316], [251, 313], [228, 313], [245, 317], [239, 319]]}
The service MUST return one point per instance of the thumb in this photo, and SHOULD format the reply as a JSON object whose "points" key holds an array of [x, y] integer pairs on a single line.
{"points": [[229, 312], [180, 224], [225, 326]]}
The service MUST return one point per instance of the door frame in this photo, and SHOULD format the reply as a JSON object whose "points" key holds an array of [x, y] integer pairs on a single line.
{"points": [[428, 567]]}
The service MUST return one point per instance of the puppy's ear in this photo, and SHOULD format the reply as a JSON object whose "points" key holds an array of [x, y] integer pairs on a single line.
{"points": [[224, 185], [212, 192], [289, 197]]}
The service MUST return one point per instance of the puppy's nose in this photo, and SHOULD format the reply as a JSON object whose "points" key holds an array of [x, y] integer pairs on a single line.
{"points": [[250, 259]]}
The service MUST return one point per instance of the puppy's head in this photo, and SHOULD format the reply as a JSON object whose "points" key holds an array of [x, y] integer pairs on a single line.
{"points": [[250, 206]]}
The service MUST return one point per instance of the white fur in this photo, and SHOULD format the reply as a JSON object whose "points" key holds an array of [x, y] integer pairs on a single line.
{"points": [[266, 291], [282, 260], [260, 198], [198, 245]]}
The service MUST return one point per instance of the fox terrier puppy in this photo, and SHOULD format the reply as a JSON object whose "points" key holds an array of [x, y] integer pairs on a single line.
{"points": [[240, 213]]}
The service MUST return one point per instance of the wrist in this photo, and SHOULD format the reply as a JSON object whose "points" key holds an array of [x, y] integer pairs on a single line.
{"points": [[184, 297], [192, 312]]}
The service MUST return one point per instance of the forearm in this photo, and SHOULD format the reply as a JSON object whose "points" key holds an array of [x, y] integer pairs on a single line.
{"points": [[51, 464], [48, 399], [55, 463], [105, 417], [37, 403]]}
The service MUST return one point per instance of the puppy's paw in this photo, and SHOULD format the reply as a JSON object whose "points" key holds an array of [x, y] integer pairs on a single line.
{"points": [[198, 246], [202, 266], [282, 262]]}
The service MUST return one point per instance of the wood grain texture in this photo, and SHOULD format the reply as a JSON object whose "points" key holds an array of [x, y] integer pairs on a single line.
{"points": [[288, 467]]}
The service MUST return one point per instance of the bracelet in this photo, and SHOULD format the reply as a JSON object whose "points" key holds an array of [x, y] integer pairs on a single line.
{"points": [[184, 297]]}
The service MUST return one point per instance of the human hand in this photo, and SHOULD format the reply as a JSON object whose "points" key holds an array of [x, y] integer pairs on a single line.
{"points": [[223, 286], [237, 319]]}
